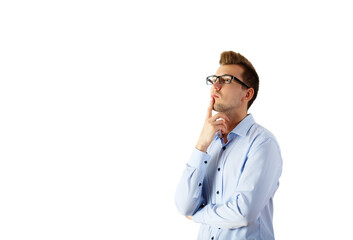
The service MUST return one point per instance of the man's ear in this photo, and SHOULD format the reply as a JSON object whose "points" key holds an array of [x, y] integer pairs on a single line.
{"points": [[249, 94]]}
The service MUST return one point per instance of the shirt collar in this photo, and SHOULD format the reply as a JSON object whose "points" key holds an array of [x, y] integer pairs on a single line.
{"points": [[243, 127]]}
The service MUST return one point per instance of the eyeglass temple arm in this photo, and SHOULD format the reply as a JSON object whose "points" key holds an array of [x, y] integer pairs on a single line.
{"points": [[242, 83]]}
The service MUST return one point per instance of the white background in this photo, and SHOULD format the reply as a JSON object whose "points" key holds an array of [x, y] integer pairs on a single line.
{"points": [[101, 104]]}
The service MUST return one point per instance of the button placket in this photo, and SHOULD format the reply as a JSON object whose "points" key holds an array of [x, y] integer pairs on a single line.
{"points": [[219, 178]]}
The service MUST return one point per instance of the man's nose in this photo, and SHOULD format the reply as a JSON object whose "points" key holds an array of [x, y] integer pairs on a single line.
{"points": [[217, 85]]}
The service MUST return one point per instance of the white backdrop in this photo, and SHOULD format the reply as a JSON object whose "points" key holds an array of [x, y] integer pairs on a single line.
{"points": [[101, 104]]}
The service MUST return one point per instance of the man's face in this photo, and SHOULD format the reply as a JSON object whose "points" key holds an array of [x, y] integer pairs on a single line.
{"points": [[229, 97]]}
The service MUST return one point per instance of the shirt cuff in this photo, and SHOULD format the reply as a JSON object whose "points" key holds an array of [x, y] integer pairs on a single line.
{"points": [[198, 159]]}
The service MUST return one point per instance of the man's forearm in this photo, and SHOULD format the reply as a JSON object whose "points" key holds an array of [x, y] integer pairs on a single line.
{"points": [[188, 197]]}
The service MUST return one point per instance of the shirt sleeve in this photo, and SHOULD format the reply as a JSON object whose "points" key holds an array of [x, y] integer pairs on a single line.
{"points": [[188, 196], [257, 185]]}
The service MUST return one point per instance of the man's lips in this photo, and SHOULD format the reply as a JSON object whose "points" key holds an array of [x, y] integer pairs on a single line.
{"points": [[214, 96]]}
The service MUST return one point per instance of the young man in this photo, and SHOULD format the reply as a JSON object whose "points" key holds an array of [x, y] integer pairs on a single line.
{"points": [[230, 180]]}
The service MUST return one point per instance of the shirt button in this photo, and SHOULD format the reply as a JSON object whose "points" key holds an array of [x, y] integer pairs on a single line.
{"points": [[200, 184], [205, 162], [224, 148], [217, 192], [212, 238], [219, 169]]}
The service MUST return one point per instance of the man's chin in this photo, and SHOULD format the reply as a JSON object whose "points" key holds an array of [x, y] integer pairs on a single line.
{"points": [[219, 108]]}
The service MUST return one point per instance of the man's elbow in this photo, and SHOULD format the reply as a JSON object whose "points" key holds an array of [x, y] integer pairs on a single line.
{"points": [[242, 222], [184, 208]]}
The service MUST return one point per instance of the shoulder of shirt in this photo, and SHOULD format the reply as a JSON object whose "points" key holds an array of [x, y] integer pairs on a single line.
{"points": [[260, 134], [260, 137]]}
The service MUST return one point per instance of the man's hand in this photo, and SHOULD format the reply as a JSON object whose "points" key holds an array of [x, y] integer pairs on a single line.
{"points": [[210, 127], [189, 217]]}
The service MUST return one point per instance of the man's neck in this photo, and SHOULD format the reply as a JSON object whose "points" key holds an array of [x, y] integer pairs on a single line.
{"points": [[235, 119]]}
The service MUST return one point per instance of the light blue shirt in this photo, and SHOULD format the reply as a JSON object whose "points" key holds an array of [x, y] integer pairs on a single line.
{"points": [[229, 190]]}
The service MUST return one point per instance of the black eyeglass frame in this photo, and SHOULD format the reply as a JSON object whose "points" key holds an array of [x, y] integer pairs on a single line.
{"points": [[232, 78]]}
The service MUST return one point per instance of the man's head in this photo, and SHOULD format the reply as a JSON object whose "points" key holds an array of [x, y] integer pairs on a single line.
{"points": [[235, 95]]}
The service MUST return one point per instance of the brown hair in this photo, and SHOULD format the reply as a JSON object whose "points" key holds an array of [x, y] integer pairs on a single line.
{"points": [[250, 76]]}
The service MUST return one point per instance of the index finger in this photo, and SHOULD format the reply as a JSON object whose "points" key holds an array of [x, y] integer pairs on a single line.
{"points": [[210, 108]]}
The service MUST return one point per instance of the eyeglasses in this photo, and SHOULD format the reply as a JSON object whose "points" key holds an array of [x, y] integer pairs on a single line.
{"points": [[224, 79]]}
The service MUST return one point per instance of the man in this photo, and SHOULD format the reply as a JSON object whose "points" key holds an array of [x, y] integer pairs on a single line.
{"points": [[230, 180]]}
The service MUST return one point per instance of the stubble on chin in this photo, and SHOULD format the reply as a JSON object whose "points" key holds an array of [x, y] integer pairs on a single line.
{"points": [[220, 107]]}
